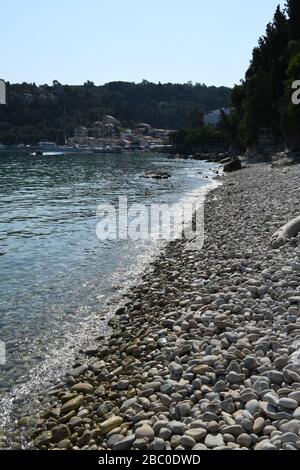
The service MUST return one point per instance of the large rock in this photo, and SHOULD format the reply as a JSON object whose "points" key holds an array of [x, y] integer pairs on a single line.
{"points": [[158, 175], [233, 165]]}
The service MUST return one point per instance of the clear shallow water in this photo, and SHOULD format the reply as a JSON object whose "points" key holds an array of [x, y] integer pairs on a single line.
{"points": [[57, 280]]}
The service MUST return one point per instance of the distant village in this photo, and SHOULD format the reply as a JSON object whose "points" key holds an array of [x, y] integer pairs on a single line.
{"points": [[109, 131], [142, 136]]}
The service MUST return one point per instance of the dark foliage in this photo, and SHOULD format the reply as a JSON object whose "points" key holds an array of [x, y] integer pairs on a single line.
{"points": [[263, 100], [35, 113]]}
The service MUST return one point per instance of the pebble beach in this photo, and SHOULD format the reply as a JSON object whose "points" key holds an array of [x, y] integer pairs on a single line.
{"points": [[205, 351]]}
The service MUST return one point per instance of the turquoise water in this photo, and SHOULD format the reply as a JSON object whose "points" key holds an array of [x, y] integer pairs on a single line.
{"points": [[57, 280]]}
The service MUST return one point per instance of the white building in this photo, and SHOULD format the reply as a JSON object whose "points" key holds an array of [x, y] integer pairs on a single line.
{"points": [[2, 92]]}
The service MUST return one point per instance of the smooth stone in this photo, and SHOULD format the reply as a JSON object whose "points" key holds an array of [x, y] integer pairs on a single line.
{"points": [[199, 447], [176, 427], [108, 425], [60, 432], [272, 399], [289, 437], [75, 421], [235, 378], [295, 396], [212, 441], [200, 370], [165, 434], [182, 410], [80, 370], [252, 406], [125, 443], [259, 425], [97, 366], [292, 426], [64, 444], [247, 395], [265, 445], [196, 433], [153, 385], [114, 439], [275, 376], [43, 439], [234, 430], [84, 388], [84, 439], [187, 441], [73, 404], [244, 440], [288, 403], [145, 431], [261, 385], [296, 414], [250, 362], [158, 444], [247, 424], [176, 371]]}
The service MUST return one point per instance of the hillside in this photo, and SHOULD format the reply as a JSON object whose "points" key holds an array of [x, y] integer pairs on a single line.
{"points": [[36, 113]]}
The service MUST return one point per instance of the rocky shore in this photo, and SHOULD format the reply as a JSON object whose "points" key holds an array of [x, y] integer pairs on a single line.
{"points": [[205, 352]]}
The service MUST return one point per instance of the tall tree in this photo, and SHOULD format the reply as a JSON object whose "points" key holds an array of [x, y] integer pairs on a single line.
{"points": [[293, 10]]}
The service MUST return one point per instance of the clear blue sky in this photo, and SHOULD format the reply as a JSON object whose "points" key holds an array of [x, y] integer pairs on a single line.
{"points": [[207, 41]]}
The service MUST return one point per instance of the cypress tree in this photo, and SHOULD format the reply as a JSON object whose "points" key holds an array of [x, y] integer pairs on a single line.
{"points": [[293, 11]]}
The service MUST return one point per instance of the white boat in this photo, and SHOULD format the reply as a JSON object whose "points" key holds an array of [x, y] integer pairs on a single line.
{"points": [[40, 153]]}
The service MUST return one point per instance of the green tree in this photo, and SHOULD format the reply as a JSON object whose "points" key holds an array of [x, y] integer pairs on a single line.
{"points": [[196, 118], [293, 11]]}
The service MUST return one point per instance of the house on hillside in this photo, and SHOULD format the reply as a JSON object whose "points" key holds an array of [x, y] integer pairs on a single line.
{"points": [[110, 120]]}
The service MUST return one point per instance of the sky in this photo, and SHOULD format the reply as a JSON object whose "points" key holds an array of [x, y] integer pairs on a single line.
{"points": [[206, 41]]}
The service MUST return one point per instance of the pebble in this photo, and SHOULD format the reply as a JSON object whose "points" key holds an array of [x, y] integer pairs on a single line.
{"points": [[292, 426], [265, 445], [252, 406], [73, 404], [288, 403], [198, 434], [258, 425], [175, 371], [114, 439], [64, 444], [244, 440], [125, 443], [214, 440], [187, 441], [82, 388], [204, 354], [60, 432], [176, 427], [111, 423], [144, 432]]}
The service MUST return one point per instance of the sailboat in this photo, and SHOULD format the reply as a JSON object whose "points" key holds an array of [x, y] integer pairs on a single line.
{"points": [[51, 149]]}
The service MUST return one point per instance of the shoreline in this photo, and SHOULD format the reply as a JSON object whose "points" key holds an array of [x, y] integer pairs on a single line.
{"points": [[202, 354]]}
